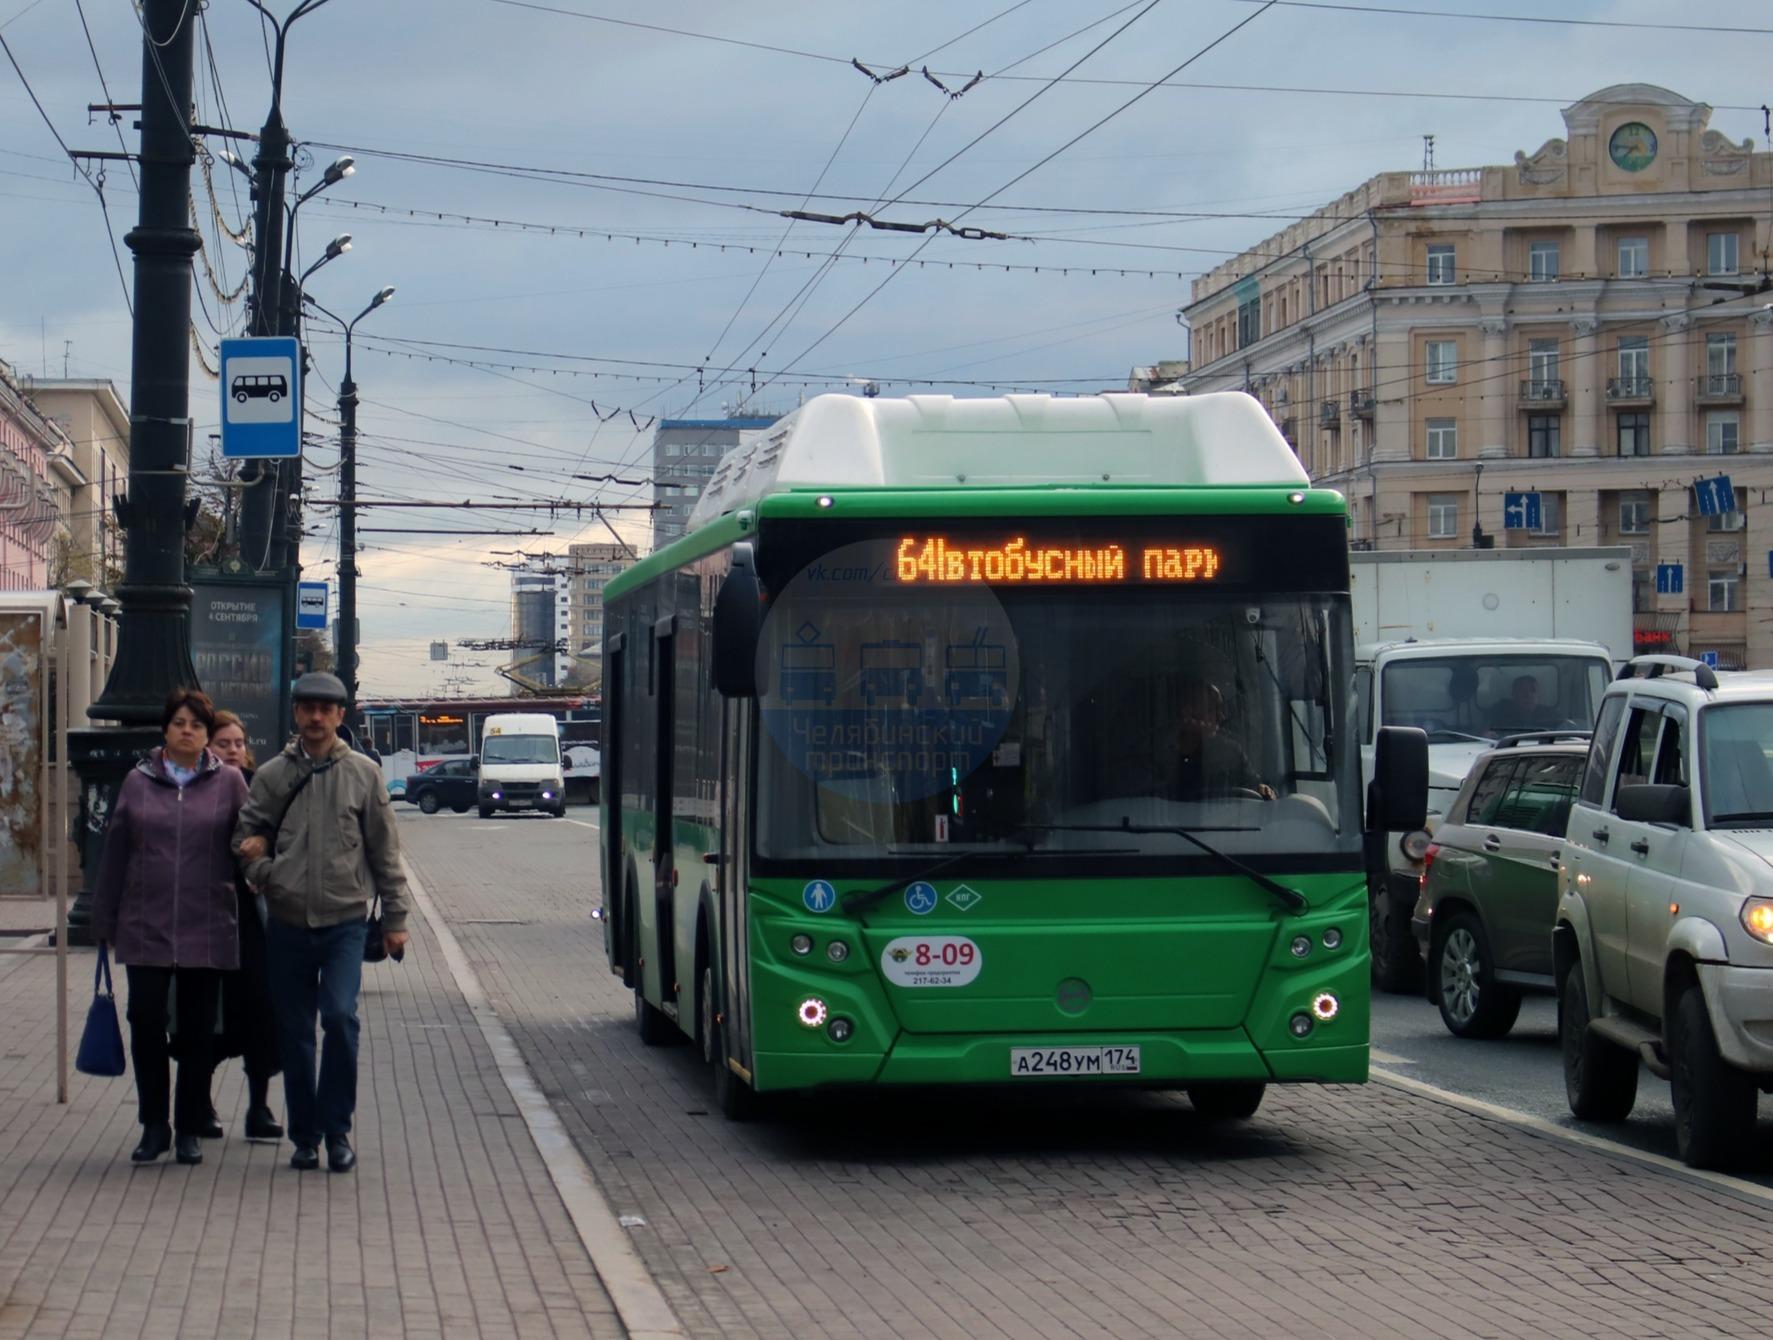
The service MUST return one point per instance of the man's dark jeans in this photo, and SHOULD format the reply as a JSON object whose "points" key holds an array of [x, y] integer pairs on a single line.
{"points": [[317, 971]]}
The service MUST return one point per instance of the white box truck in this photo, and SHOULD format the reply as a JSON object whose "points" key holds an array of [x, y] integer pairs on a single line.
{"points": [[519, 763], [1471, 645]]}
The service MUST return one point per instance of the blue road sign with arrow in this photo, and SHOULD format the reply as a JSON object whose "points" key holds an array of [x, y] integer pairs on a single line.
{"points": [[1671, 579], [1715, 496], [1522, 511]]}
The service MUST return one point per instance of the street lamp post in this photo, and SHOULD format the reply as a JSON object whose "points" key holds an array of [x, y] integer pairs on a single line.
{"points": [[347, 647]]}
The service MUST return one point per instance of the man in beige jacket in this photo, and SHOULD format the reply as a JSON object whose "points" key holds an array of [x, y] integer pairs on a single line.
{"points": [[317, 838]]}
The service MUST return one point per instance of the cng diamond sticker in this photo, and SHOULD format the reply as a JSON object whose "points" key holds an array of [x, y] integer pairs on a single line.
{"points": [[966, 899]]}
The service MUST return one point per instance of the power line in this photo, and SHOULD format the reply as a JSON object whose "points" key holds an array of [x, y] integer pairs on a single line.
{"points": [[1402, 11]]}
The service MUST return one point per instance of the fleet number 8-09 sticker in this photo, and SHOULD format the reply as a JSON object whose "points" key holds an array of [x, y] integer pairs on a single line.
{"points": [[931, 960]]}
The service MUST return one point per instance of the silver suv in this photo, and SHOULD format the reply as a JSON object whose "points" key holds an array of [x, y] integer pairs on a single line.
{"points": [[1663, 950]]}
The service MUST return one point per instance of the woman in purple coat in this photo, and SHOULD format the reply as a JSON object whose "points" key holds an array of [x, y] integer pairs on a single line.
{"points": [[165, 901]]}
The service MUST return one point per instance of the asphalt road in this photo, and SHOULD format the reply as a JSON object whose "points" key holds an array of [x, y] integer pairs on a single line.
{"points": [[1524, 1072]]}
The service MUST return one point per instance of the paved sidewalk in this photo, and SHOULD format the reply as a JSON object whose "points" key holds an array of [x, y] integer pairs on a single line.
{"points": [[1351, 1212], [450, 1225]]}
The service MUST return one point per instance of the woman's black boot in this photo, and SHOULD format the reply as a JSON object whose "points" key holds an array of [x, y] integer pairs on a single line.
{"points": [[156, 1140], [189, 1150]]}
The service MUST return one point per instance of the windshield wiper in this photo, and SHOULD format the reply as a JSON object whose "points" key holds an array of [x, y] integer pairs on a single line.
{"points": [[1291, 899], [1752, 815], [861, 901]]}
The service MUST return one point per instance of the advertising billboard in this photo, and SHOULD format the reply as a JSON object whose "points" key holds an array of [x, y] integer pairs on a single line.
{"points": [[22, 743], [237, 646]]}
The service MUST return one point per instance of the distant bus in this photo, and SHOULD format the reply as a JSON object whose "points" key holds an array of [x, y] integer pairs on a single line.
{"points": [[1122, 840]]}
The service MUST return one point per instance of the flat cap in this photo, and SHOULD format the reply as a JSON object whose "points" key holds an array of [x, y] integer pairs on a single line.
{"points": [[319, 687]]}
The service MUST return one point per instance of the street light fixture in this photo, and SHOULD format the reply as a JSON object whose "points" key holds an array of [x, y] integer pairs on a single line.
{"points": [[347, 564], [334, 249]]}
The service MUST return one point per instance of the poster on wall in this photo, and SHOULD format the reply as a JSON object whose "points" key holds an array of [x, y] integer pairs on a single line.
{"points": [[21, 754], [237, 632]]}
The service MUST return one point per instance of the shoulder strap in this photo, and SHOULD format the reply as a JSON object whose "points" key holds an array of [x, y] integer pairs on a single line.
{"points": [[289, 800]]}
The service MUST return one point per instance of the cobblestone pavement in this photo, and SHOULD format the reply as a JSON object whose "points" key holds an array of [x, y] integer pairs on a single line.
{"points": [[450, 1225], [1361, 1211]]}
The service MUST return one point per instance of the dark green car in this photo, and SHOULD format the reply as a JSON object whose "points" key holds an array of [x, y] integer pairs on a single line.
{"points": [[1490, 883]]}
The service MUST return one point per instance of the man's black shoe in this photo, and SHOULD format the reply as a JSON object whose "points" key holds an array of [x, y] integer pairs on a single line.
{"points": [[339, 1156], [213, 1128], [261, 1125], [305, 1159], [188, 1149], [156, 1140]]}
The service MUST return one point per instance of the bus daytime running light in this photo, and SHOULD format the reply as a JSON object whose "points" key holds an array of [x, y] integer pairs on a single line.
{"points": [[1325, 1007], [837, 951], [840, 1030], [1301, 946], [1300, 1025], [812, 1012], [801, 944], [1333, 938]]}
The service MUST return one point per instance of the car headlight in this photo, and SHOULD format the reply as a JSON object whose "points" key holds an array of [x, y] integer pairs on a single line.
{"points": [[1415, 844], [1757, 918]]}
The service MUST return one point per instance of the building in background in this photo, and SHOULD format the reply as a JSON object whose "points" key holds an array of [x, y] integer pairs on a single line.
{"points": [[92, 417], [539, 598], [685, 452], [1588, 323], [39, 483], [588, 570]]}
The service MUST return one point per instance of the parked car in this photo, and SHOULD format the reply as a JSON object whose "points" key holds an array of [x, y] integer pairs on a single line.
{"points": [[1489, 893], [1663, 950], [453, 782]]}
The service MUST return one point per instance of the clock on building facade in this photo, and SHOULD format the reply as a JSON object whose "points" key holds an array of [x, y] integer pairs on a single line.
{"points": [[1633, 146]]}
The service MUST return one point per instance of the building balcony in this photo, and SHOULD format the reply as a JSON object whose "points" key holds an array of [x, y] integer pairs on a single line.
{"points": [[1540, 393], [1720, 388], [1329, 415], [1628, 391], [1447, 186], [1360, 404]]}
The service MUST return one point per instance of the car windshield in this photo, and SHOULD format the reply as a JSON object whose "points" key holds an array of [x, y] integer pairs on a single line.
{"points": [[1736, 744], [1485, 695], [1055, 720], [519, 749]]}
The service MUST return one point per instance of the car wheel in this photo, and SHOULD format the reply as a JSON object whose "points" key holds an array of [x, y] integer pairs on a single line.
{"points": [[486, 811], [461, 807], [1397, 963], [1714, 1102], [1473, 1004], [428, 802], [1600, 1078], [1227, 1102]]}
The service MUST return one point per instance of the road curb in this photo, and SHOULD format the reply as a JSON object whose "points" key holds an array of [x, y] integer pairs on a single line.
{"points": [[642, 1307]]}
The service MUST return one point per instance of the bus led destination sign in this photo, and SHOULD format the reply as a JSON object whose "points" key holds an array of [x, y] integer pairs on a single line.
{"points": [[936, 560]]}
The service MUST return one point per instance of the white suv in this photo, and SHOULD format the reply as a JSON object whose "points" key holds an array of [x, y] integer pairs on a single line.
{"points": [[1663, 948]]}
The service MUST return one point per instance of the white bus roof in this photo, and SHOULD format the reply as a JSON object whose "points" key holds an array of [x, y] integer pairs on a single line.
{"points": [[1221, 440]]}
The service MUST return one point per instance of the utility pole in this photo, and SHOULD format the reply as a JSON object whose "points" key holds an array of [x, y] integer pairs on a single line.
{"points": [[154, 633]]}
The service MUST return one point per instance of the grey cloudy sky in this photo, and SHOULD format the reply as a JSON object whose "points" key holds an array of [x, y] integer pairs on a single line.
{"points": [[1324, 97]]}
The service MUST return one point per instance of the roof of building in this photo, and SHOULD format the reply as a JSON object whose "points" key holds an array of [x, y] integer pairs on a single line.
{"points": [[1018, 441]]}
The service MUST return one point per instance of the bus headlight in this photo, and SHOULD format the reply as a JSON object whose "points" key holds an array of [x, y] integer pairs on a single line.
{"points": [[1301, 946], [801, 944], [837, 951], [1325, 1007], [1300, 1025]]}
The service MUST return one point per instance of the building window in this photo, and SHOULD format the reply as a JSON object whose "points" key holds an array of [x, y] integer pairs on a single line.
{"points": [[1634, 257], [1723, 590], [1443, 516], [1723, 433], [1634, 515], [1249, 322], [1634, 360], [1720, 253], [1440, 264], [1443, 362], [1634, 434], [1544, 434], [1443, 439], [1550, 509], [1720, 355], [1542, 262], [674, 448]]}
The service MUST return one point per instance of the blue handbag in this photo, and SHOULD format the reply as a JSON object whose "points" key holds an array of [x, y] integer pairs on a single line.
{"points": [[101, 1043]]}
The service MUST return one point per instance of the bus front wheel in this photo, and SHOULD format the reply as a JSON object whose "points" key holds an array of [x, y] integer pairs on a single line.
{"points": [[737, 1100], [1227, 1102]]}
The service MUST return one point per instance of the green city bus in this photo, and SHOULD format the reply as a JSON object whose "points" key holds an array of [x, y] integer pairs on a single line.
{"points": [[998, 741]]}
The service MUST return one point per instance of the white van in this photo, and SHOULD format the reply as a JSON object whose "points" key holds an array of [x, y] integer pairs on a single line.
{"points": [[520, 764]]}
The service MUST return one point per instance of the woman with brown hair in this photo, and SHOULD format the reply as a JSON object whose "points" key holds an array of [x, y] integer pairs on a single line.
{"points": [[164, 900], [249, 1027]]}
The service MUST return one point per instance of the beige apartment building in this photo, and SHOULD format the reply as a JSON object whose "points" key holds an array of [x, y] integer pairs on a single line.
{"points": [[91, 415], [1587, 323], [589, 569]]}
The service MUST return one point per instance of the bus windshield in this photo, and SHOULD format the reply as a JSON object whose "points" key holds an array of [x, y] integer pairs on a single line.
{"points": [[519, 749], [1019, 719]]}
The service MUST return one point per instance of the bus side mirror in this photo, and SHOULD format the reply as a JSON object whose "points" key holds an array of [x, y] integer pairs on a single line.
{"points": [[1397, 797], [738, 623]]}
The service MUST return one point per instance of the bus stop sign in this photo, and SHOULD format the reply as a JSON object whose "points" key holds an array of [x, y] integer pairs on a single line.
{"points": [[261, 398]]}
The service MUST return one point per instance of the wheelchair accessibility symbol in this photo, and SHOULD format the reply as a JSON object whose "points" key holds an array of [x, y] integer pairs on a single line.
{"points": [[920, 898]]}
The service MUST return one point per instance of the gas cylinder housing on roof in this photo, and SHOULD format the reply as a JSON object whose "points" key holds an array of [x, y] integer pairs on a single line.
{"points": [[1222, 440]]}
